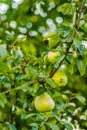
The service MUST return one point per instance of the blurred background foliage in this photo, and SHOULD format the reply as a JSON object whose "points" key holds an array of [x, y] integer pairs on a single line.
{"points": [[27, 34]]}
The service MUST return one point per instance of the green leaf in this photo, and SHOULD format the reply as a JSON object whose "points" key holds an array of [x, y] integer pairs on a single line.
{"points": [[77, 42], [65, 98], [23, 116], [64, 8], [84, 27], [61, 107], [34, 125], [81, 65], [81, 99], [31, 71], [3, 67], [69, 59], [3, 100], [12, 127], [70, 68], [3, 50], [68, 127], [81, 49], [22, 87], [30, 115], [53, 39], [21, 38], [43, 127], [52, 126], [50, 82], [34, 128], [50, 35], [53, 42], [58, 61]]}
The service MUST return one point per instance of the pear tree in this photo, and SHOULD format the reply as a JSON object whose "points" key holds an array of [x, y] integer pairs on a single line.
{"points": [[43, 64]]}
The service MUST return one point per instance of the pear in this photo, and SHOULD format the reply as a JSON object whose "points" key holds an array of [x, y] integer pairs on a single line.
{"points": [[52, 56], [60, 78], [44, 103]]}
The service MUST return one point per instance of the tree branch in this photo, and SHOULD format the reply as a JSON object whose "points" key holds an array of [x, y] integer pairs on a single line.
{"points": [[80, 12], [74, 34], [30, 84]]}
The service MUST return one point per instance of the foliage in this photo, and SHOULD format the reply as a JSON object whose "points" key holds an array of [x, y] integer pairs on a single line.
{"points": [[29, 30]]}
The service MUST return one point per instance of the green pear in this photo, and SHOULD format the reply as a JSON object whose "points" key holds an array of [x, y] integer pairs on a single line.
{"points": [[60, 78], [52, 57], [44, 103]]}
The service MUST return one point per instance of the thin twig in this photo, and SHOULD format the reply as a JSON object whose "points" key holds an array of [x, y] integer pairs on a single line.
{"points": [[7, 91], [80, 12], [30, 84], [11, 117]]}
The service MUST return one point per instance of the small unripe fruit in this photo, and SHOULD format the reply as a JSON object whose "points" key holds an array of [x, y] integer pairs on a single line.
{"points": [[52, 57], [60, 78], [44, 103]]}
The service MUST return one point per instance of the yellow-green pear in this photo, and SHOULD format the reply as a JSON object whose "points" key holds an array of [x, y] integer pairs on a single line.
{"points": [[44, 103], [60, 78], [52, 56]]}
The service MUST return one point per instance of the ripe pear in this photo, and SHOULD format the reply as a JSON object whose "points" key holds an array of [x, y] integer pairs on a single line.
{"points": [[44, 103], [60, 78], [52, 56]]}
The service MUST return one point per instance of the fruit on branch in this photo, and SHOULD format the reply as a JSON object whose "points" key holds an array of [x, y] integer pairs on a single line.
{"points": [[60, 78], [52, 57], [44, 103]]}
